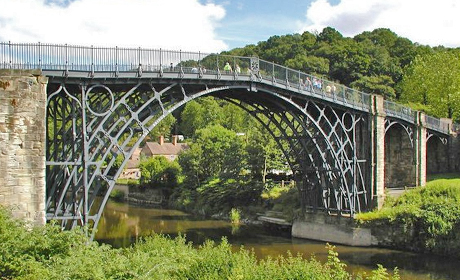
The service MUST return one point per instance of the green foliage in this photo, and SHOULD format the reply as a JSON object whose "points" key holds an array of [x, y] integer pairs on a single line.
{"points": [[216, 151], [220, 195], [163, 128], [235, 216], [433, 80], [159, 172], [199, 114], [382, 85], [430, 217], [127, 181], [287, 203], [117, 195], [49, 253]]}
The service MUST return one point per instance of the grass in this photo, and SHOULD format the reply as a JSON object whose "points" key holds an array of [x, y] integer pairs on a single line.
{"points": [[128, 182], [428, 216]]}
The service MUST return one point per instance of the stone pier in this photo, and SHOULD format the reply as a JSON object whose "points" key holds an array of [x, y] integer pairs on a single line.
{"points": [[22, 143], [377, 130]]}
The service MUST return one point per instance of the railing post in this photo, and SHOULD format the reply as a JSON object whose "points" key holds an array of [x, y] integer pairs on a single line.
{"points": [[218, 70], [92, 62], [161, 64], [39, 56], [287, 78], [66, 70], [300, 84], [9, 53], [181, 73], [116, 62]]}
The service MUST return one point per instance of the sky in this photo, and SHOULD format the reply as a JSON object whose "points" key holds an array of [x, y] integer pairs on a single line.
{"points": [[218, 25]]}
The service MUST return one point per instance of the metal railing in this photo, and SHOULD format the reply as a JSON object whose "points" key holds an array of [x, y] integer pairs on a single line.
{"points": [[399, 111], [93, 59], [437, 124]]}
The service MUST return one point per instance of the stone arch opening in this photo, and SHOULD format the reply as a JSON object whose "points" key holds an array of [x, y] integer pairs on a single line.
{"points": [[400, 169], [437, 158]]}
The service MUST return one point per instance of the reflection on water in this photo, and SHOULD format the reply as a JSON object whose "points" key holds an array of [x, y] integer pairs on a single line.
{"points": [[121, 225]]}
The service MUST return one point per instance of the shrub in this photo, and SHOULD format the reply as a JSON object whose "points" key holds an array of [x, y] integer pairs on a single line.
{"points": [[430, 217], [235, 216], [117, 195], [49, 253]]}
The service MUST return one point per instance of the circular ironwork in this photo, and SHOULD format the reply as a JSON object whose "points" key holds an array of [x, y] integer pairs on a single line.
{"points": [[348, 121], [99, 100]]}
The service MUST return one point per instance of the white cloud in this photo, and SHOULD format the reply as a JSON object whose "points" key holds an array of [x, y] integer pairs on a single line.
{"points": [[171, 24], [426, 22]]}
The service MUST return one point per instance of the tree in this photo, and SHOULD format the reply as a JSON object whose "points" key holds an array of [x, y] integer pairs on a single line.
{"points": [[200, 113], [214, 152], [159, 172], [433, 80], [263, 154], [382, 85], [164, 127], [310, 64]]}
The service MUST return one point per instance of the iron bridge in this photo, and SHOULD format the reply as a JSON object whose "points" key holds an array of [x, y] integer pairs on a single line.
{"points": [[101, 99]]}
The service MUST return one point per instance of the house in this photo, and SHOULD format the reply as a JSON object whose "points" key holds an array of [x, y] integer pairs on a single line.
{"points": [[160, 148], [131, 170], [151, 149]]}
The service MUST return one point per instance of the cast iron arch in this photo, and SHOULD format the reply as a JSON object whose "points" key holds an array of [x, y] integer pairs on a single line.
{"points": [[89, 125]]}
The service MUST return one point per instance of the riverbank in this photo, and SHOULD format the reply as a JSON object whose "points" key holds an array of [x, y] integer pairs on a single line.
{"points": [[424, 219], [123, 224], [46, 252]]}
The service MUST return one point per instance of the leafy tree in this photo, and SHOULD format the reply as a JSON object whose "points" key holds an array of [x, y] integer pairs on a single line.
{"points": [[215, 151], [235, 118], [281, 48], [263, 154], [310, 64], [382, 85], [159, 172], [433, 80], [164, 127], [200, 113]]}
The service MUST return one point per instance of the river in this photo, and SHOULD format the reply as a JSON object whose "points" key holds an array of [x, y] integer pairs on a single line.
{"points": [[121, 224]]}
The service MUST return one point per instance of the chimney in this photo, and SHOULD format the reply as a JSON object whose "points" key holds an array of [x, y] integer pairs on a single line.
{"points": [[174, 140], [162, 140]]}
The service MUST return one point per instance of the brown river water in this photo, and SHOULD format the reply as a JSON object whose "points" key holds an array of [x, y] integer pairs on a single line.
{"points": [[121, 224]]}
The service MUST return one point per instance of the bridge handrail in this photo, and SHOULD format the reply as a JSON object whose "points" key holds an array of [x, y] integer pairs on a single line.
{"points": [[119, 59], [437, 124], [400, 111], [317, 86]]}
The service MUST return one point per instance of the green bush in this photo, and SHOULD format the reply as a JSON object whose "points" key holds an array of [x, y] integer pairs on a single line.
{"points": [[49, 253], [429, 217], [117, 195]]}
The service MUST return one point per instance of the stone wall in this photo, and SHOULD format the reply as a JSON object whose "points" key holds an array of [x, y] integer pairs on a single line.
{"points": [[22, 143], [323, 227], [437, 156], [454, 151], [400, 169]]}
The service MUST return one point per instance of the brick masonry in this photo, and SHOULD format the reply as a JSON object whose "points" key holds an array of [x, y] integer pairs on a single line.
{"points": [[22, 143]]}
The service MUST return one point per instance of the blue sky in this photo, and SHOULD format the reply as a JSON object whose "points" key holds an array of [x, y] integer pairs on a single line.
{"points": [[217, 25], [248, 22]]}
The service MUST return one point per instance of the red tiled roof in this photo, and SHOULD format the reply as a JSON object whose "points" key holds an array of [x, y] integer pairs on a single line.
{"points": [[166, 149]]}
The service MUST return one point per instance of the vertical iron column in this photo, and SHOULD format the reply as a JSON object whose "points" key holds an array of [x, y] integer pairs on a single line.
{"points": [[84, 160]]}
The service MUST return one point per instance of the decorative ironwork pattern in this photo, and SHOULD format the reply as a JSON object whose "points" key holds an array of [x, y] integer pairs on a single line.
{"points": [[90, 125], [94, 62], [102, 102], [408, 128]]}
